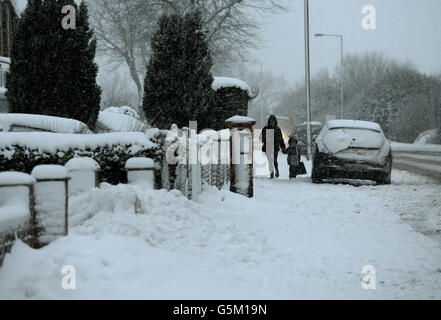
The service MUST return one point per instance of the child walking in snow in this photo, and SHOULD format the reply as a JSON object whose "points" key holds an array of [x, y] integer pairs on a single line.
{"points": [[295, 166]]}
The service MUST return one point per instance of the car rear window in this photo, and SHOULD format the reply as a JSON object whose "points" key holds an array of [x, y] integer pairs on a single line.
{"points": [[338, 139]]}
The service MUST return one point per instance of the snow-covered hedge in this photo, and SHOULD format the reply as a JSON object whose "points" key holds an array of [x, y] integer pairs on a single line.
{"points": [[23, 151]]}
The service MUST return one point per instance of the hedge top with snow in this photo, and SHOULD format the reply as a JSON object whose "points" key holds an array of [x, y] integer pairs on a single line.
{"points": [[54, 142], [226, 82]]}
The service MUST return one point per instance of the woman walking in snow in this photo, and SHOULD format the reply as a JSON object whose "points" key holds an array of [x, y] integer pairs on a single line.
{"points": [[272, 142]]}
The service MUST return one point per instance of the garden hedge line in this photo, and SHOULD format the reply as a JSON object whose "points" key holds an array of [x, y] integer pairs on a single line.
{"points": [[111, 159]]}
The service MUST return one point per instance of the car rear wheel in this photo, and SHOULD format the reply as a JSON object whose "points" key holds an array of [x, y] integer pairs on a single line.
{"points": [[387, 179], [316, 178]]}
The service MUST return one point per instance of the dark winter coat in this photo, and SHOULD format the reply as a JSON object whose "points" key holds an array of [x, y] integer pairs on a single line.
{"points": [[278, 137], [293, 156]]}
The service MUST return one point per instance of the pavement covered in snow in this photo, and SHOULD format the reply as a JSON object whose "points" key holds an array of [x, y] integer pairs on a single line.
{"points": [[293, 240]]}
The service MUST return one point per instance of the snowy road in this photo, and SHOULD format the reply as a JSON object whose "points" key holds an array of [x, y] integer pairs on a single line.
{"points": [[293, 240]]}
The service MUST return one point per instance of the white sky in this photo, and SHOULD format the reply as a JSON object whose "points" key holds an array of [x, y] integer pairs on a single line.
{"points": [[406, 30]]}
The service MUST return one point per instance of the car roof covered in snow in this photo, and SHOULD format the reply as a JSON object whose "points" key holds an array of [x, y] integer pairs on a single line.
{"points": [[313, 123], [42, 122], [356, 124], [110, 121]]}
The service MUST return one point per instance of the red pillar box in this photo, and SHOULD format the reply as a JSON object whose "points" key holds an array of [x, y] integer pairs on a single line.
{"points": [[241, 155]]}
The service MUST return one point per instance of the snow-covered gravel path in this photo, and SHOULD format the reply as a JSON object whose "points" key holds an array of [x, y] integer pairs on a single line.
{"points": [[293, 240]]}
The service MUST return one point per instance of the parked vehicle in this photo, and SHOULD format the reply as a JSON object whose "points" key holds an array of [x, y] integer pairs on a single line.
{"points": [[300, 134], [352, 149], [21, 122]]}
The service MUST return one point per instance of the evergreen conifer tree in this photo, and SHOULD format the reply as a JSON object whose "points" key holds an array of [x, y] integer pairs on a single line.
{"points": [[178, 82], [53, 71]]}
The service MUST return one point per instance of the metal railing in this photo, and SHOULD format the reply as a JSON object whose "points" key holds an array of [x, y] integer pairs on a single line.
{"points": [[419, 159]]}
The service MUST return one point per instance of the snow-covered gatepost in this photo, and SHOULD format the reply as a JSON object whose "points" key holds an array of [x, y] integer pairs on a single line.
{"points": [[83, 174], [17, 215], [51, 201], [141, 171], [241, 155]]}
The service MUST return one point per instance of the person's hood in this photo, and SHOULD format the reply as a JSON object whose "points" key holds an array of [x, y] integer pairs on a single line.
{"points": [[272, 117]]}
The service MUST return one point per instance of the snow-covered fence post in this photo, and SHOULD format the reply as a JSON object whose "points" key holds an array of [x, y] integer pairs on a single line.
{"points": [[141, 171], [51, 201], [205, 155], [167, 175], [241, 155], [195, 183], [17, 214], [83, 174], [187, 187], [224, 159]]}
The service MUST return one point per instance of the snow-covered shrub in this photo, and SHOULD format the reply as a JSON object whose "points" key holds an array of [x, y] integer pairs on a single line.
{"points": [[23, 151], [62, 84], [178, 80], [229, 100]]}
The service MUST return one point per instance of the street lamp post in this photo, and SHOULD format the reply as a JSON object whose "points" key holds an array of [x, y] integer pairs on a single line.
{"points": [[260, 84], [342, 66], [307, 83]]}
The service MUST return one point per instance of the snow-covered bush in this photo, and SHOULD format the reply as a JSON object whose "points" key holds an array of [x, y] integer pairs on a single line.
{"points": [[231, 98], [23, 151]]}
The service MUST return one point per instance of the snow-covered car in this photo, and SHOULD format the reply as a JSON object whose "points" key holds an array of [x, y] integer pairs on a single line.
{"points": [[122, 119], [352, 149], [21, 122], [300, 133]]}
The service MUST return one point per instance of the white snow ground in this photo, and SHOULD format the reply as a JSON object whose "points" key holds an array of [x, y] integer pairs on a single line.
{"points": [[293, 240]]}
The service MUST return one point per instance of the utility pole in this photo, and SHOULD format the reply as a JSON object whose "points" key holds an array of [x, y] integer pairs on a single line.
{"points": [[342, 97], [307, 83], [261, 83]]}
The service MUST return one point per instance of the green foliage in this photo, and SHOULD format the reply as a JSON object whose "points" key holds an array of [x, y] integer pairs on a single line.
{"points": [[228, 102], [112, 159], [52, 69], [178, 81]]}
